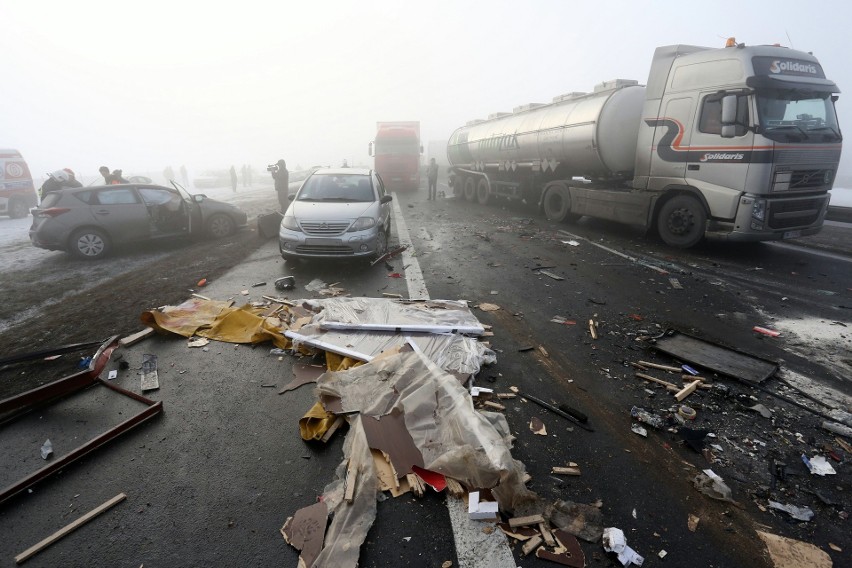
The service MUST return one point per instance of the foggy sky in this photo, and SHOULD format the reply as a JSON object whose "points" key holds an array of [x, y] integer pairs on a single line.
{"points": [[145, 85]]}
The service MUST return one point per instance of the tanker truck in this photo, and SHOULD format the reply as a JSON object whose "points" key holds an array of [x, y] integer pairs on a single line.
{"points": [[740, 143]]}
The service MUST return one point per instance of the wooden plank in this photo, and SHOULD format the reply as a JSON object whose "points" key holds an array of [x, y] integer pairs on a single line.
{"points": [[593, 329], [661, 367], [525, 521], [543, 351], [454, 487], [565, 470], [36, 548], [505, 395], [338, 422], [717, 358], [351, 477], [687, 390], [494, 405], [669, 386], [547, 535], [136, 337], [531, 544]]}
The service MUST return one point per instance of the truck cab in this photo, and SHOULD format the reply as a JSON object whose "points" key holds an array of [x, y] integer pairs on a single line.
{"points": [[747, 137], [17, 192]]}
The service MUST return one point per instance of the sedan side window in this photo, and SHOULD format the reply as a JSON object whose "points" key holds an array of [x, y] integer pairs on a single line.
{"points": [[122, 196]]}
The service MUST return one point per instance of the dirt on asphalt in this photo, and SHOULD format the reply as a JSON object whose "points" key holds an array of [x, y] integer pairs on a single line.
{"points": [[51, 299]]}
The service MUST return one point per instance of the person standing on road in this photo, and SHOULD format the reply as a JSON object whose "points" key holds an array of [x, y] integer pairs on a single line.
{"points": [[432, 177], [282, 183], [233, 179]]}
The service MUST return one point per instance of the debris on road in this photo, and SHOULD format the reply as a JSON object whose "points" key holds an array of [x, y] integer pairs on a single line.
{"points": [[817, 465], [615, 541], [766, 331], [69, 528], [285, 283], [136, 337], [798, 513], [46, 449], [150, 378], [713, 486], [789, 553], [537, 426]]}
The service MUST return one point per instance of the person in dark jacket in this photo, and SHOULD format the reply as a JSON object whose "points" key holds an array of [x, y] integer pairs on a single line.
{"points": [[282, 183], [432, 176], [58, 180]]}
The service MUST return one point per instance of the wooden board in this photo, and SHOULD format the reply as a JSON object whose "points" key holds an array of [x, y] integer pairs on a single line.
{"points": [[717, 358], [36, 548]]}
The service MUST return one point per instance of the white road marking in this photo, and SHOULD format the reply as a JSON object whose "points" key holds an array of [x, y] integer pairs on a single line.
{"points": [[615, 252], [413, 276], [474, 548]]}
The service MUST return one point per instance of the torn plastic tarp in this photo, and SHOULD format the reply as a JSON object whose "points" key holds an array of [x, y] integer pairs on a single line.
{"points": [[450, 435], [453, 438], [434, 316], [217, 320], [452, 352]]}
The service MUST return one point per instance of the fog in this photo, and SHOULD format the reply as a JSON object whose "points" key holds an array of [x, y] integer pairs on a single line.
{"points": [[144, 86]]}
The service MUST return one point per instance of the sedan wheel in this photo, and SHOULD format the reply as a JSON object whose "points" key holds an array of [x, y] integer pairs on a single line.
{"points": [[220, 226], [381, 244], [89, 244]]}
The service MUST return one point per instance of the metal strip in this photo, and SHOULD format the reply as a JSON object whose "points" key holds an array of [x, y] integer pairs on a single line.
{"points": [[65, 387]]}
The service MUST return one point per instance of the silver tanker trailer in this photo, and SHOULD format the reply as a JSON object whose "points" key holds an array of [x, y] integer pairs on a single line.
{"points": [[740, 143]]}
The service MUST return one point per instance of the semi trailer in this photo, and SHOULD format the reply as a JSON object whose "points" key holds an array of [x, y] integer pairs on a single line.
{"points": [[396, 151], [740, 143]]}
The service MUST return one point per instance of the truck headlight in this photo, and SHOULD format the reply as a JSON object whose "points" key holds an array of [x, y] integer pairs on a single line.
{"points": [[758, 210], [289, 222], [362, 223]]}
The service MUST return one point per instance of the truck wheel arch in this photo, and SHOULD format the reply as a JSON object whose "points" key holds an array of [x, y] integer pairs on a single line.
{"points": [[688, 222]]}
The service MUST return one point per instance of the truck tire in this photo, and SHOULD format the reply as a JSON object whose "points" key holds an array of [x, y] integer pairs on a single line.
{"points": [[681, 221], [89, 244], [469, 189], [18, 209], [557, 203], [483, 194]]}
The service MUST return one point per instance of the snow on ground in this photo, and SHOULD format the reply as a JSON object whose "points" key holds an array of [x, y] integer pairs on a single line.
{"points": [[841, 197]]}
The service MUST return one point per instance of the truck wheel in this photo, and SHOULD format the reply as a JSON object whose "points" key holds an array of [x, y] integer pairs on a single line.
{"points": [[681, 221], [482, 194], [18, 209], [557, 204], [469, 189], [89, 244]]}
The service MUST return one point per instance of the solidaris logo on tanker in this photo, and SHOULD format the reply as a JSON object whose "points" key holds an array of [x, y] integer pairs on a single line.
{"points": [[792, 67], [722, 157]]}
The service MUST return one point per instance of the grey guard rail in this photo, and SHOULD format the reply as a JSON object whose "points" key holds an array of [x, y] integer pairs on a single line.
{"points": [[15, 406]]}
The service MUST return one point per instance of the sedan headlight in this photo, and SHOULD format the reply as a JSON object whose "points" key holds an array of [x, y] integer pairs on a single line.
{"points": [[289, 222], [361, 224]]}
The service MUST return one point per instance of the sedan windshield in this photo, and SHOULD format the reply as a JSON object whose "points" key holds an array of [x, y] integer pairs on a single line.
{"points": [[796, 116], [340, 188]]}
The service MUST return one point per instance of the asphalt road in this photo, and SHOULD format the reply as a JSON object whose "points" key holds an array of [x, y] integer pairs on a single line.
{"points": [[211, 481]]}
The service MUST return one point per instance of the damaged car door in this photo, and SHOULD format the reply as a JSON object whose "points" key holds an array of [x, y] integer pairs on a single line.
{"points": [[168, 211], [120, 212]]}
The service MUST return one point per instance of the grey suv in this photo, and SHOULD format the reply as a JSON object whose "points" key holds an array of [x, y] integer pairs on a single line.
{"points": [[337, 213], [88, 221]]}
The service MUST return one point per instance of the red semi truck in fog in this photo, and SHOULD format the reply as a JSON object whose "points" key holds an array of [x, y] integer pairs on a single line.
{"points": [[17, 193], [396, 151]]}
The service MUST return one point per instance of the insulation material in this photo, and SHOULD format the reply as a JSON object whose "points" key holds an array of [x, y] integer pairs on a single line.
{"points": [[452, 438], [395, 313], [217, 320]]}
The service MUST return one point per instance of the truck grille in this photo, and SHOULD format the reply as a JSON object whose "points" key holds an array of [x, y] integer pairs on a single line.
{"points": [[324, 228], [808, 179], [794, 213], [330, 250]]}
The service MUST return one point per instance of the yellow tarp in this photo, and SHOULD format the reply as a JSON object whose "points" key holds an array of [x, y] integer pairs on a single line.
{"points": [[315, 423], [217, 320]]}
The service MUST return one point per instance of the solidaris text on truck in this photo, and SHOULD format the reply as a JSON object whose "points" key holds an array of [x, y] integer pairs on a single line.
{"points": [[740, 143]]}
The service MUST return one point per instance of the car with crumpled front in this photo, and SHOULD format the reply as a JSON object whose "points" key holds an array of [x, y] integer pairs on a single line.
{"points": [[89, 222], [337, 213]]}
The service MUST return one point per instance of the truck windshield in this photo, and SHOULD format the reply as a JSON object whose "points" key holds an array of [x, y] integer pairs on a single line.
{"points": [[791, 116], [398, 146]]}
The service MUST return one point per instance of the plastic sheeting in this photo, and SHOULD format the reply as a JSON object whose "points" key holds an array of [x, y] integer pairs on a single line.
{"points": [[451, 352], [454, 439], [395, 313], [217, 320]]}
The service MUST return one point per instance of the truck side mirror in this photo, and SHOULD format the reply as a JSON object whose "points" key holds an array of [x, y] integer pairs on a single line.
{"points": [[729, 116], [370, 149]]}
